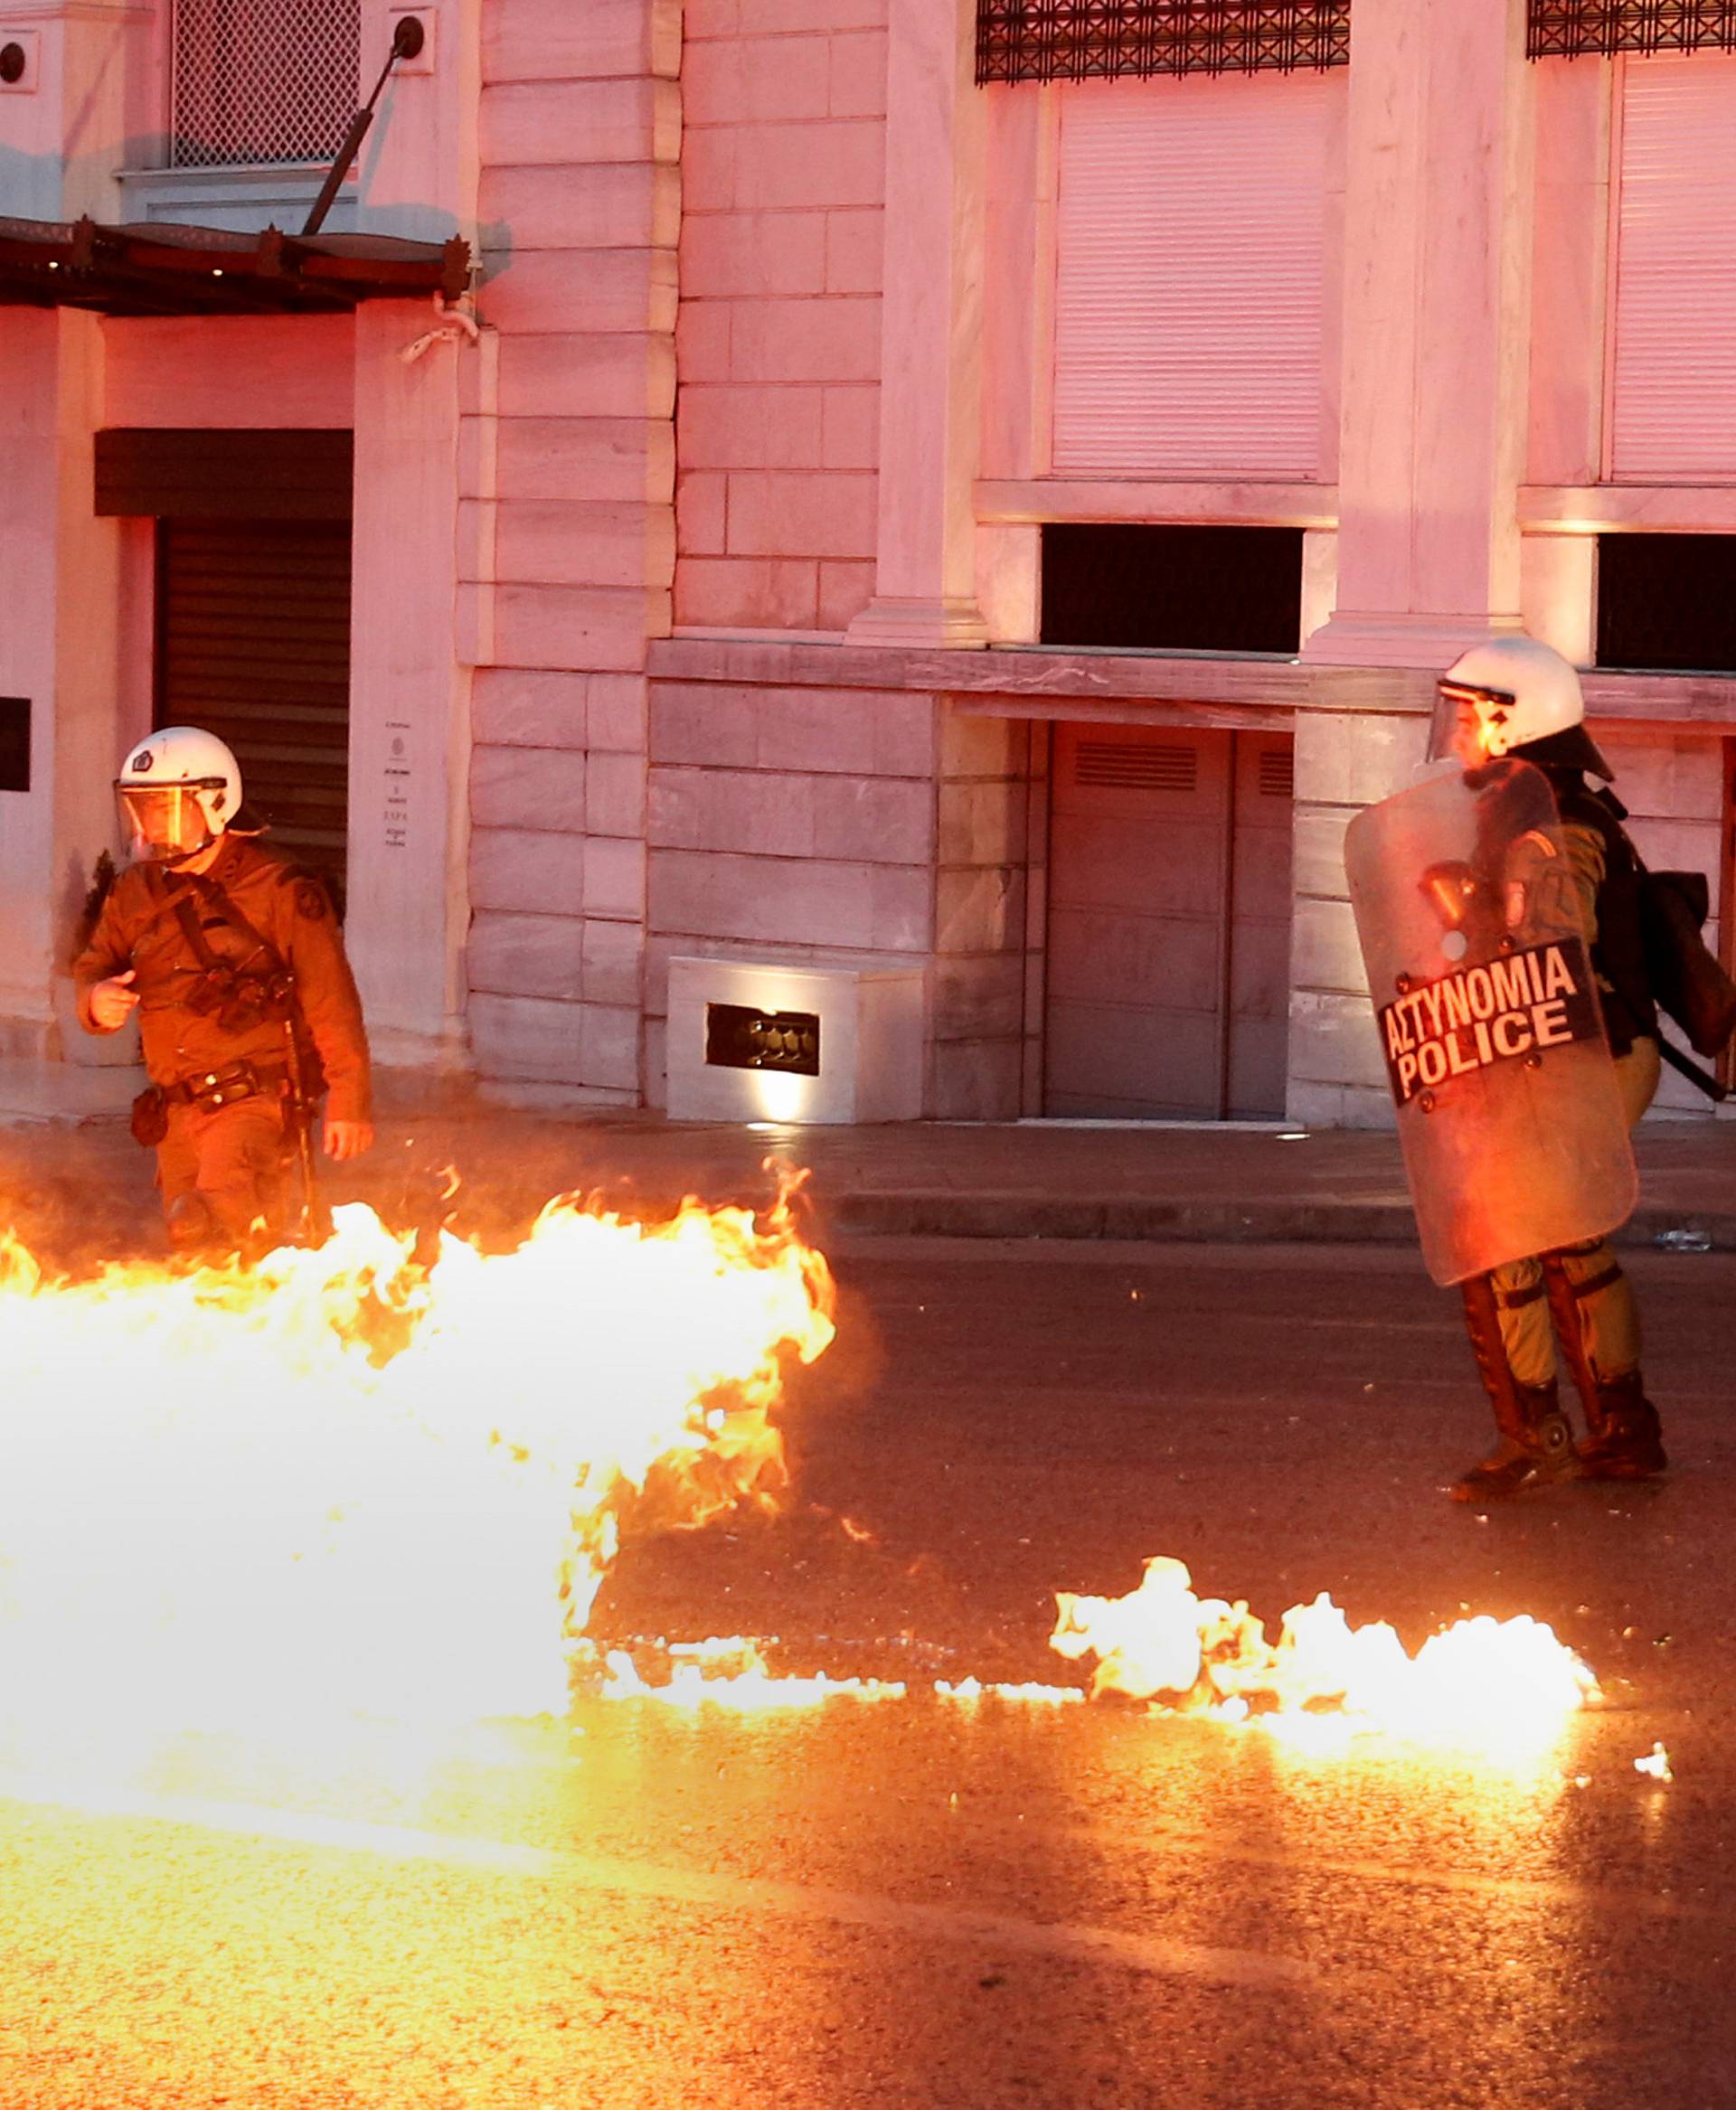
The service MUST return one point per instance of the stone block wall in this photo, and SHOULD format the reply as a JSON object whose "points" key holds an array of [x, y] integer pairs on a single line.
{"points": [[790, 824], [980, 976], [1344, 760], [779, 334], [569, 528]]}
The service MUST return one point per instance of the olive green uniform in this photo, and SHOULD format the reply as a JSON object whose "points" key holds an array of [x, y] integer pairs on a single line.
{"points": [[223, 1067], [1603, 1297]]}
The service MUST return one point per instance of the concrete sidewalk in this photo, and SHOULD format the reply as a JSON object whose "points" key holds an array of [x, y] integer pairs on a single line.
{"points": [[1222, 1185]]}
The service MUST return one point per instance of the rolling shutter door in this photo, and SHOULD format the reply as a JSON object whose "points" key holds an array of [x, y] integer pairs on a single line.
{"points": [[1190, 277], [253, 644], [1673, 413]]}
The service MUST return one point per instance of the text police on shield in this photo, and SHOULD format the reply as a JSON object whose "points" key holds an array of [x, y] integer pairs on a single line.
{"points": [[1515, 1008]]}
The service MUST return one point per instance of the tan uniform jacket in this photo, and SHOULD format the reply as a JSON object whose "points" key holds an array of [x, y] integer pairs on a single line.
{"points": [[138, 928]]}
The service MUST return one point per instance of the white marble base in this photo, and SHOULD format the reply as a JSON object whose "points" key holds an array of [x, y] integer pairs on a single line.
{"points": [[870, 1042], [1435, 642], [891, 619]]}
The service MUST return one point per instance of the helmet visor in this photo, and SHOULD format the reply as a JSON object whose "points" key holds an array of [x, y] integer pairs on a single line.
{"points": [[1467, 722], [162, 821]]}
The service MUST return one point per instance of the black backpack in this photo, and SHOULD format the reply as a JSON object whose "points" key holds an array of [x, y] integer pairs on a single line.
{"points": [[1689, 983]]}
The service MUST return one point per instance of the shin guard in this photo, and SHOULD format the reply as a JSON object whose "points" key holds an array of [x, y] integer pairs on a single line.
{"points": [[1564, 1296]]}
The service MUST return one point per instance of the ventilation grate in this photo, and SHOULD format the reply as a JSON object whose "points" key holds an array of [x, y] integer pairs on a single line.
{"points": [[1136, 765], [1278, 773], [1105, 39], [263, 80], [1572, 29]]}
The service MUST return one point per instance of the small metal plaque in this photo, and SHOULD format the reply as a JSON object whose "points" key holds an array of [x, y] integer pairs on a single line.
{"points": [[14, 743], [737, 1037]]}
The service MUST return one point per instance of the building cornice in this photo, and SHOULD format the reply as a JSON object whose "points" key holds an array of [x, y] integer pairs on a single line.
{"points": [[1586, 509], [1241, 503], [32, 13], [1035, 683]]}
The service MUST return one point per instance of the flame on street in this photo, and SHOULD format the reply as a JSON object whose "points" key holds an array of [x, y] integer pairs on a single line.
{"points": [[344, 1482], [1508, 1681], [733, 1672]]}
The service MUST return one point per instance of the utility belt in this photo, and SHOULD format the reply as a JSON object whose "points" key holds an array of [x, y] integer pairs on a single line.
{"points": [[226, 1087], [210, 1089]]}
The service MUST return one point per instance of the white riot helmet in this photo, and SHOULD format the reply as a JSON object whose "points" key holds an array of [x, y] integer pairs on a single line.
{"points": [[178, 791], [1510, 695]]}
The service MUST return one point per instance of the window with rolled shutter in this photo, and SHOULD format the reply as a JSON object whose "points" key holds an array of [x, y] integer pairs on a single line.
{"points": [[1190, 277], [1673, 394], [253, 644]]}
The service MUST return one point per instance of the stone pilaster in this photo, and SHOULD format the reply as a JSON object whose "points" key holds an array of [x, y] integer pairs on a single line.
{"points": [[574, 495], [925, 588], [1437, 318]]}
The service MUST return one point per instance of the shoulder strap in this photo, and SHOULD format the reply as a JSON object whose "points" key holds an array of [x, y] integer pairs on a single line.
{"points": [[1600, 810], [218, 898], [162, 903], [187, 918]]}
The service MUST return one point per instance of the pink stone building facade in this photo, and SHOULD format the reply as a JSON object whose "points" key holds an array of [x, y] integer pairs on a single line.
{"points": [[706, 563]]}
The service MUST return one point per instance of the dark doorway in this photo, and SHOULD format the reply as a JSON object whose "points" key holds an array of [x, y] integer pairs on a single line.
{"points": [[253, 644]]}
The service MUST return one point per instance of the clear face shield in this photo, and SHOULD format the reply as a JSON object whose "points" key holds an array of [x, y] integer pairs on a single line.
{"points": [[164, 822], [1468, 720]]}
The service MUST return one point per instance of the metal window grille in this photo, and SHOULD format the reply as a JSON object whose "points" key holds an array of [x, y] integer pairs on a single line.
{"points": [[1572, 29], [1101, 40], [263, 80]]}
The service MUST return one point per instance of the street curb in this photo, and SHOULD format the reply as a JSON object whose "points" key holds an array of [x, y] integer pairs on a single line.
{"points": [[943, 1214]]}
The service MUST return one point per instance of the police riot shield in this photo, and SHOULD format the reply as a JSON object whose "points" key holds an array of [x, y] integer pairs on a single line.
{"points": [[1514, 1136]]}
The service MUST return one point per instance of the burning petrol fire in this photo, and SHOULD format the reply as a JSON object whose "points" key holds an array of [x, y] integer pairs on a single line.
{"points": [[343, 1482], [346, 1483], [1164, 1645]]}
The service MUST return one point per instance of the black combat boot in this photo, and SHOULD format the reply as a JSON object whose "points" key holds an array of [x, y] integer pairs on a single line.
{"points": [[1627, 1441], [1536, 1447]]}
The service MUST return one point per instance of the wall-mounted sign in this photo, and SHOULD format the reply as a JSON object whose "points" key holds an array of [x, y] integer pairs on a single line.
{"points": [[737, 1037]]}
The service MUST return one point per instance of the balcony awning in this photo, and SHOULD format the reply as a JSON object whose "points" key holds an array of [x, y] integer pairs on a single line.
{"points": [[157, 267]]}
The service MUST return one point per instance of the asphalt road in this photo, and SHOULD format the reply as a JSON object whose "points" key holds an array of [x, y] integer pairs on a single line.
{"points": [[912, 1903]]}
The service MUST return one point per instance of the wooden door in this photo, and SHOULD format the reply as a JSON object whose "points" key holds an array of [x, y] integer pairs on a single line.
{"points": [[1169, 920]]}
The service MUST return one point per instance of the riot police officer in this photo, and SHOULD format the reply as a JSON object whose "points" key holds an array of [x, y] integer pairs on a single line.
{"points": [[1515, 696], [233, 960]]}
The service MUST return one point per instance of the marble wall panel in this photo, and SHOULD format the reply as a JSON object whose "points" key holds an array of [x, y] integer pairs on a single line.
{"points": [[518, 707], [524, 787], [526, 869], [526, 956]]}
